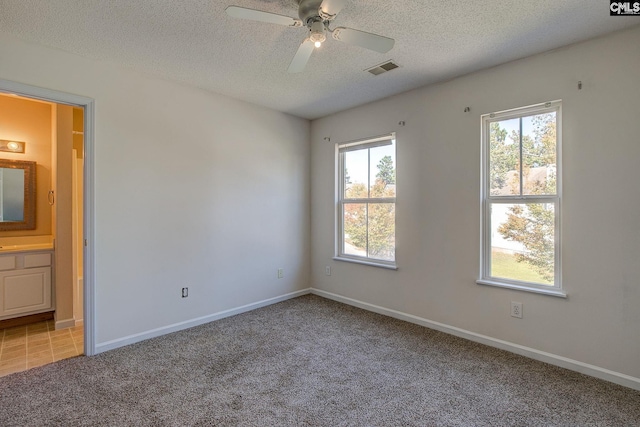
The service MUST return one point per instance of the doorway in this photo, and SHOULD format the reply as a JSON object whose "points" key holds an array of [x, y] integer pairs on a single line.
{"points": [[81, 201]]}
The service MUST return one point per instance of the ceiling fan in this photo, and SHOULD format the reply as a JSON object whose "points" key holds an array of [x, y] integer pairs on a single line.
{"points": [[316, 15]]}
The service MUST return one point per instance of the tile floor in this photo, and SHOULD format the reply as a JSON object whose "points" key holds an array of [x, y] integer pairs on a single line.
{"points": [[24, 347]]}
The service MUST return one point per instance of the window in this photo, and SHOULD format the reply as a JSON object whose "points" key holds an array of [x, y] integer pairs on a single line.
{"points": [[367, 201], [521, 199]]}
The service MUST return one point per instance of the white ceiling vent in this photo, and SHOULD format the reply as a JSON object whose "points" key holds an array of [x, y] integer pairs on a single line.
{"points": [[382, 68]]}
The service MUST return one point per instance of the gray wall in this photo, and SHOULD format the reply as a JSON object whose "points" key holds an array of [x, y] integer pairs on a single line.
{"points": [[191, 189], [438, 204]]}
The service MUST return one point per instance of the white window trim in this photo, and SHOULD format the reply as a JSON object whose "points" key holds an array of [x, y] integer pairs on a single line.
{"points": [[341, 148], [486, 200]]}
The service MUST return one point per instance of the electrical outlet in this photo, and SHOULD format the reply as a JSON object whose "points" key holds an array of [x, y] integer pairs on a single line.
{"points": [[516, 309], [280, 273], [327, 270], [185, 292]]}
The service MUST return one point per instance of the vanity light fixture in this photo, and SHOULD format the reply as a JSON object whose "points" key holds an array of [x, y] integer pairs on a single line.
{"points": [[12, 146]]}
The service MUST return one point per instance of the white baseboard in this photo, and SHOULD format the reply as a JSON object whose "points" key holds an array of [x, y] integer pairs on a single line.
{"points": [[66, 323], [553, 359], [131, 339]]}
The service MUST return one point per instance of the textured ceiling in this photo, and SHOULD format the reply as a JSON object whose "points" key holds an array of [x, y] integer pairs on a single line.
{"points": [[195, 42]]}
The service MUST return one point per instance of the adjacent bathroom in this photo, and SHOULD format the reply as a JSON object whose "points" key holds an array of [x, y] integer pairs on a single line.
{"points": [[41, 232]]}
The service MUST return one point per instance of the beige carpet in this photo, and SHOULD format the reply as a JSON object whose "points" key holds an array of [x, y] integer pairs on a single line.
{"points": [[311, 362]]}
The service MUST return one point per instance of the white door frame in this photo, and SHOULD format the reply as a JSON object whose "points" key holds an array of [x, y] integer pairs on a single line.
{"points": [[88, 195]]}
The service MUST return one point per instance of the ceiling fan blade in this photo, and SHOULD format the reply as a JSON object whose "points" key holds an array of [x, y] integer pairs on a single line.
{"points": [[302, 56], [360, 38], [330, 8], [258, 15]]}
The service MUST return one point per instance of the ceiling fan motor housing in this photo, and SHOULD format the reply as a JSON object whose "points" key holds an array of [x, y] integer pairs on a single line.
{"points": [[308, 11]]}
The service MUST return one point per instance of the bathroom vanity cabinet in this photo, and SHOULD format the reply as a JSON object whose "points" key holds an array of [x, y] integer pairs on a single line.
{"points": [[25, 283]]}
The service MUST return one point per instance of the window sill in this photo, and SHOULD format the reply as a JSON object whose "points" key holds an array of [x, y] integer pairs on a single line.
{"points": [[364, 262], [551, 292]]}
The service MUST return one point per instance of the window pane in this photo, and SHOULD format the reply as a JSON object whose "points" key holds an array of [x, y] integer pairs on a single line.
{"points": [[382, 177], [504, 152], [355, 229], [382, 231], [522, 242], [539, 154], [356, 171]]}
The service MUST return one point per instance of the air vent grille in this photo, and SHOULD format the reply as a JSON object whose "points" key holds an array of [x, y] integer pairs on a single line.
{"points": [[382, 68]]}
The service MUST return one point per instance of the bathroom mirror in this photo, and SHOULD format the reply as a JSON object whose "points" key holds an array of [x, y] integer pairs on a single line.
{"points": [[17, 195]]}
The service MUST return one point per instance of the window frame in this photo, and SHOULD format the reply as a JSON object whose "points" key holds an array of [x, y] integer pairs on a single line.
{"points": [[340, 149], [487, 200]]}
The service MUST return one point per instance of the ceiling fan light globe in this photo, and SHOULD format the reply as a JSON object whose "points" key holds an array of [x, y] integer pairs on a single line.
{"points": [[317, 44], [317, 37]]}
